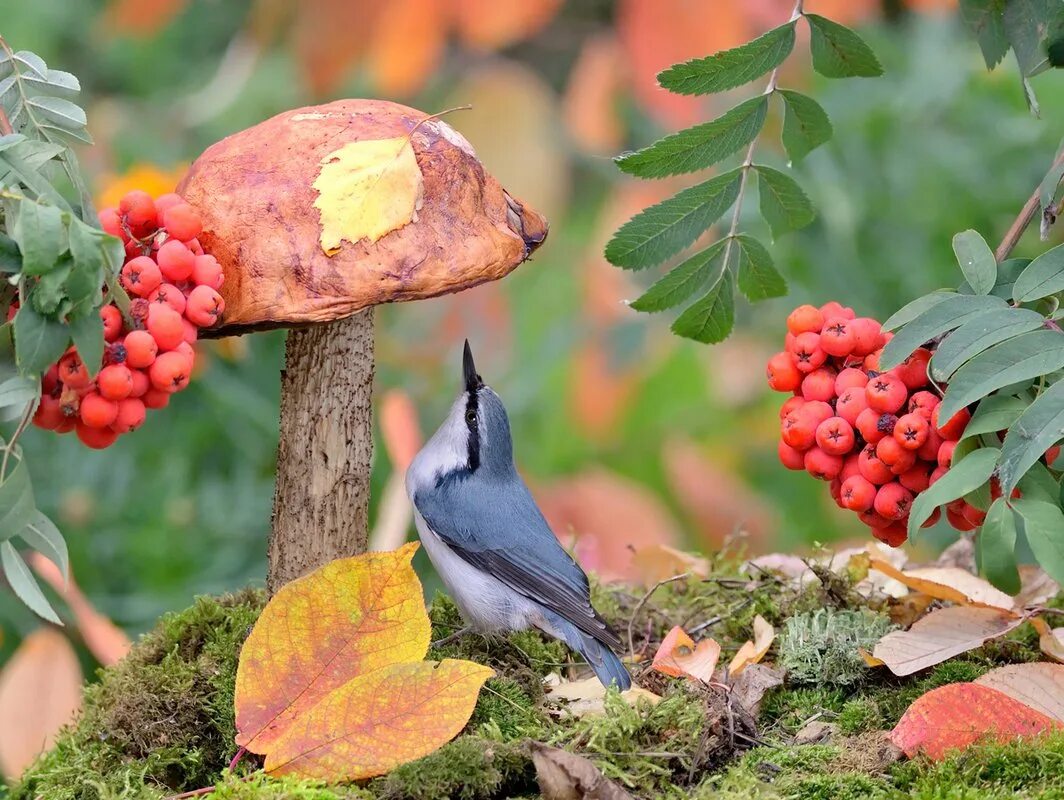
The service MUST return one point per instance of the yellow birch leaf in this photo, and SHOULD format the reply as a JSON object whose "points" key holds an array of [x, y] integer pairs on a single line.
{"points": [[378, 721], [345, 619], [367, 189]]}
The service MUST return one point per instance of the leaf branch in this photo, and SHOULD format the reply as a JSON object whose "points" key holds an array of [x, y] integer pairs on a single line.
{"points": [[1019, 225]]}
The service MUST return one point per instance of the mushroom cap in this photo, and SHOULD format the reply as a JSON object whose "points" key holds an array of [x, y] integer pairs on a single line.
{"points": [[255, 193]]}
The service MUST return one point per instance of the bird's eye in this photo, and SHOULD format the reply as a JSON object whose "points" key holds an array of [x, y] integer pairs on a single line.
{"points": [[471, 416]]}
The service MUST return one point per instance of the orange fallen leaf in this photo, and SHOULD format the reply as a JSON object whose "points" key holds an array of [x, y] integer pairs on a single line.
{"points": [[106, 641], [40, 692], [956, 716], [947, 583], [753, 651], [378, 721], [1039, 685], [869, 659], [1050, 641], [345, 619], [680, 657], [942, 634]]}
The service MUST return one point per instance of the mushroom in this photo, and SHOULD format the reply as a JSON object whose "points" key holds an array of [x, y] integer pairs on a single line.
{"points": [[256, 193]]}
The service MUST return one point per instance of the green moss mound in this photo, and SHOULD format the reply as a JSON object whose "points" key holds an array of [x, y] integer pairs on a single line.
{"points": [[161, 721]]}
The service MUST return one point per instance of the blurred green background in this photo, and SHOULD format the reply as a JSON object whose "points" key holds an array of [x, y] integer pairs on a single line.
{"points": [[627, 434]]}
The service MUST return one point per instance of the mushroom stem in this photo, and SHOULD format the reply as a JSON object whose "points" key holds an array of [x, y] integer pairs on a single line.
{"points": [[321, 500]]}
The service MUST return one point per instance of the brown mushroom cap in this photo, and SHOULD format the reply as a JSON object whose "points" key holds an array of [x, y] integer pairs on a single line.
{"points": [[255, 194]]}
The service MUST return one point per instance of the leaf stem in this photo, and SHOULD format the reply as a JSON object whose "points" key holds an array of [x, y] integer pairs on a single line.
{"points": [[23, 423], [1019, 225]]}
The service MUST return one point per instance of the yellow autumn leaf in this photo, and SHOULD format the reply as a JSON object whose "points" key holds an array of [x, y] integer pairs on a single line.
{"points": [[753, 651], [367, 189], [345, 619]]}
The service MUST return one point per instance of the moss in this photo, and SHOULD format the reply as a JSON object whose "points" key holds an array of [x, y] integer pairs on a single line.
{"points": [[789, 709], [858, 715], [821, 647], [469, 768], [257, 786], [159, 721]]}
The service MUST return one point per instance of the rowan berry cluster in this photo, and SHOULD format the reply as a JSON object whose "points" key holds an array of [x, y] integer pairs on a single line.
{"points": [[148, 354], [875, 436]]}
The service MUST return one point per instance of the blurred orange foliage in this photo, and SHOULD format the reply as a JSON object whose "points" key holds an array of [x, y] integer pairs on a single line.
{"points": [[148, 177]]}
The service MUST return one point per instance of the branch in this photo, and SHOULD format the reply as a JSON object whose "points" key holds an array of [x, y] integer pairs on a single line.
{"points": [[1019, 225]]}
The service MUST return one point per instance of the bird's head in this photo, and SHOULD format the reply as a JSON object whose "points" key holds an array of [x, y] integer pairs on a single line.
{"points": [[475, 437]]}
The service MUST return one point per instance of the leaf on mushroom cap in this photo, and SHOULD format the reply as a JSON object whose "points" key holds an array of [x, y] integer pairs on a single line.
{"points": [[255, 191]]}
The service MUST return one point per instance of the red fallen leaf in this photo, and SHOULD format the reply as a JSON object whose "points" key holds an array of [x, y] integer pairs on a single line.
{"points": [[680, 657], [956, 716]]}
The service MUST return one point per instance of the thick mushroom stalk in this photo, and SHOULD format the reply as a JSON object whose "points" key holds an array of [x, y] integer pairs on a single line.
{"points": [[263, 221]]}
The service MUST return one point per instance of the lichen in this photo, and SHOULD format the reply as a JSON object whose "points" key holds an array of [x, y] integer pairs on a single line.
{"points": [[821, 647]]}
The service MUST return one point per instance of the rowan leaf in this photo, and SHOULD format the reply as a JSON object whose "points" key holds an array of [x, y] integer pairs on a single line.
{"points": [[730, 68], [806, 125], [914, 308], [710, 318], [347, 618], [758, 279], [700, 146], [979, 334], [838, 52], [367, 189], [995, 545], [375, 722], [1042, 277], [941, 316], [964, 476], [956, 716], [1043, 524], [784, 205], [682, 281], [1037, 429], [994, 414], [984, 19], [943, 634], [976, 261]]}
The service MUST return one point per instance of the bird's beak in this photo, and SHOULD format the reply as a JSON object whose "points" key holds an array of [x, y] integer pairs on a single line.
{"points": [[469, 370]]}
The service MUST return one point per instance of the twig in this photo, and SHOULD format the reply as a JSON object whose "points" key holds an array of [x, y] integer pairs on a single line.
{"points": [[236, 758], [27, 415], [1019, 225], [193, 793], [643, 602]]}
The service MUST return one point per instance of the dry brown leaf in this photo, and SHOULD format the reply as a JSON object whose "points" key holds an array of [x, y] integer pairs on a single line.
{"points": [[904, 611], [587, 697], [1050, 641], [106, 641], [753, 652], [751, 685], [1036, 587], [1039, 685], [679, 656], [566, 776], [40, 692], [947, 583], [942, 634], [869, 659], [788, 566]]}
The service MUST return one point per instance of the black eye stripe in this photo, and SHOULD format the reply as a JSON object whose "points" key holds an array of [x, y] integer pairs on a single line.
{"points": [[474, 431]]}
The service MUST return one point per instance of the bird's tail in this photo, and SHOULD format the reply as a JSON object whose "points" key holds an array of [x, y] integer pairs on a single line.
{"points": [[608, 668]]}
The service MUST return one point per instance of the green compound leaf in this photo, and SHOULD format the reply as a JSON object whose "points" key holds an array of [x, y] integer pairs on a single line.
{"points": [[41, 534], [665, 229], [700, 146], [979, 334], [805, 124], [16, 498], [730, 68], [1036, 430], [976, 260], [914, 308], [39, 341], [758, 279], [996, 545], [984, 19], [965, 476], [709, 319], [1042, 277], [23, 583], [41, 236], [838, 52], [682, 281], [784, 205], [943, 315], [1027, 356], [1043, 524], [994, 414]]}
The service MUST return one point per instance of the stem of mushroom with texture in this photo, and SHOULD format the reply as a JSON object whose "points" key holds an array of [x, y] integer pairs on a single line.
{"points": [[321, 501]]}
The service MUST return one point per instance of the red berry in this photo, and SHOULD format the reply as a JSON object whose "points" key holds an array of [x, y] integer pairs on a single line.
{"points": [[936, 515], [139, 211], [923, 403], [871, 361], [182, 222], [170, 372], [916, 479], [72, 371], [936, 473], [886, 393], [913, 370], [945, 454], [818, 385], [808, 354], [170, 295], [893, 501], [911, 431], [893, 535], [837, 337], [782, 374], [141, 349], [1052, 454], [156, 398], [96, 438], [867, 336], [207, 272], [141, 382], [850, 378], [928, 451], [805, 318], [111, 223], [858, 493], [891, 453], [131, 415], [190, 332], [851, 465], [50, 379], [872, 468], [835, 436], [165, 325], [175, 261], [792, 404], [833, 309], [817, 411], [850, 403], [115, 382], [798, 430], [790, 457], [821, 465], [868, 425], [205, 307], [168, 201], [96, 411], [874, 521], [112, 322], [141, 276], [49, 414], [954, 427]]}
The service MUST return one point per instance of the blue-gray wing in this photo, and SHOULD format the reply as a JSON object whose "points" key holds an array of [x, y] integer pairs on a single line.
{"points": [[500, 530]]}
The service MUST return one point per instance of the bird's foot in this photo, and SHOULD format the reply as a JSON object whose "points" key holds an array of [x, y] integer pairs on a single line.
{"points": [[453, 637]]}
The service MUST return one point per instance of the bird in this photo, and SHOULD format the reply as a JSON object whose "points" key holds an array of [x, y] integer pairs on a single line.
{"points": [[486, 537]]}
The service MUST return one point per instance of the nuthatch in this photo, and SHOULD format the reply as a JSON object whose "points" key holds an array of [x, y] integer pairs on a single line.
{"points": [[489, 541]]}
